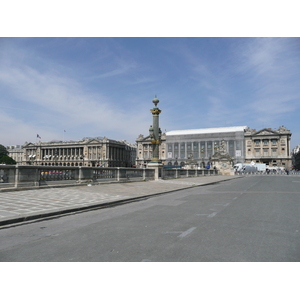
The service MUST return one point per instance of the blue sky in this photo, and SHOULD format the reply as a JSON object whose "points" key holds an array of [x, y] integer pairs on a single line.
{"points": [[104, 86]]}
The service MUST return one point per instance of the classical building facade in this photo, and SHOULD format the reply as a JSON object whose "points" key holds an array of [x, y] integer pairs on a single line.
{"points": [[92, 152], [145, 150], [16, 152], [180, 146], [242, 143], [201, 144], [269, 146]]}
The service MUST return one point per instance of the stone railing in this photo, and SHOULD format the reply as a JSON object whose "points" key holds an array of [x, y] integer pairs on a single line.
{"points": [[180, 173], [38, 176], [28, 176]]}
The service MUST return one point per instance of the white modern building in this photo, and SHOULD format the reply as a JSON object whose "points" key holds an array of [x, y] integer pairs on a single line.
{"points": [[201, 144]]}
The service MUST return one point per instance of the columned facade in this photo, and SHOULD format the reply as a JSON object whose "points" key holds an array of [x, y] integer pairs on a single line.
{"points": [[145, 150], [91, 152], [200, 144], [269, 146]]}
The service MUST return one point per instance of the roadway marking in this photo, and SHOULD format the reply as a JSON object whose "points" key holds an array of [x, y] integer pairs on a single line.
{"points": [[208, 215], [212, 215], [187, 232]]}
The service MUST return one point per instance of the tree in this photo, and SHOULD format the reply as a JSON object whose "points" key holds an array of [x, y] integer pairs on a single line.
{"points": [[3, 151], [7, 160], [4, 158]]}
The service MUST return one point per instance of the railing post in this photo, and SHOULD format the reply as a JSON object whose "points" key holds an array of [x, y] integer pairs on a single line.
{"points": [[38, 176], [118, 174], [80, 175], [17, 176]]}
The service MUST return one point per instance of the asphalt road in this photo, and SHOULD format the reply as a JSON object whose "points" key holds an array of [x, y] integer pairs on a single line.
{"points": [[249, 219]]}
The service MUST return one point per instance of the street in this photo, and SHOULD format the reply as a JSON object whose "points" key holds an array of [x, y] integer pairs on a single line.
{"points": [[250, 219]]}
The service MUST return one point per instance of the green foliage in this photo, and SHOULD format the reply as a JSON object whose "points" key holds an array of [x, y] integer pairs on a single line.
{"points": [[3, 151], [7, 160], [296, 161]]}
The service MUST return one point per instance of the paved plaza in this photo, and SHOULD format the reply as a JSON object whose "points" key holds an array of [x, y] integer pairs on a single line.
{"points": [[18, 206]]}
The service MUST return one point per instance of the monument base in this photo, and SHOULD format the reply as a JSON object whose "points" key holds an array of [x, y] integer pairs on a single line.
{"points": [[157, 166], [223, 162], [224, 167]]}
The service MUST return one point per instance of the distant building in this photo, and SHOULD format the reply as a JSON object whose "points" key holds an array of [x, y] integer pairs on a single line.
{"points": [[269, 146], [144, 150], [243, 144], [199, 144], [16, 152], [92, 152]]}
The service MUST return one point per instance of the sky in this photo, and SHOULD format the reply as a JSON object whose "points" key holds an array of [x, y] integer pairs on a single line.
{"points": [[70, 88]]}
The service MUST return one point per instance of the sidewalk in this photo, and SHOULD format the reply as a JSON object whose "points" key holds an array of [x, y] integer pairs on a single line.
{"points": [[26, 205]]}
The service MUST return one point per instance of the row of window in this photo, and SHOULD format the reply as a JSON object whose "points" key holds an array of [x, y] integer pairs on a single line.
{"points": [[265, 142]]}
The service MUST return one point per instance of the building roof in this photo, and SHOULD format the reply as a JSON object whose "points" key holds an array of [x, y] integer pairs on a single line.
{"points": [[206, 130]]}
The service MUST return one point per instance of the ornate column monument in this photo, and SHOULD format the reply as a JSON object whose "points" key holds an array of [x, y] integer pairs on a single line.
{"points": [[155, 136]]}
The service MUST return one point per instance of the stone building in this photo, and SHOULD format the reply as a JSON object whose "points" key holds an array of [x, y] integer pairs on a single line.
{"points": [[269, 146], [92, 152], [199, 145], [145, 150], [243, 144], [16, 152], [202, 144]]}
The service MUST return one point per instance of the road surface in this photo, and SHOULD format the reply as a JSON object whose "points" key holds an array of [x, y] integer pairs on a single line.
{"points": [[249, 219]]}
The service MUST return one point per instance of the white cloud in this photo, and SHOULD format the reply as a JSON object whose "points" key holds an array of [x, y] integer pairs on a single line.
{"points": [[60, 101], [273, 67]]}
